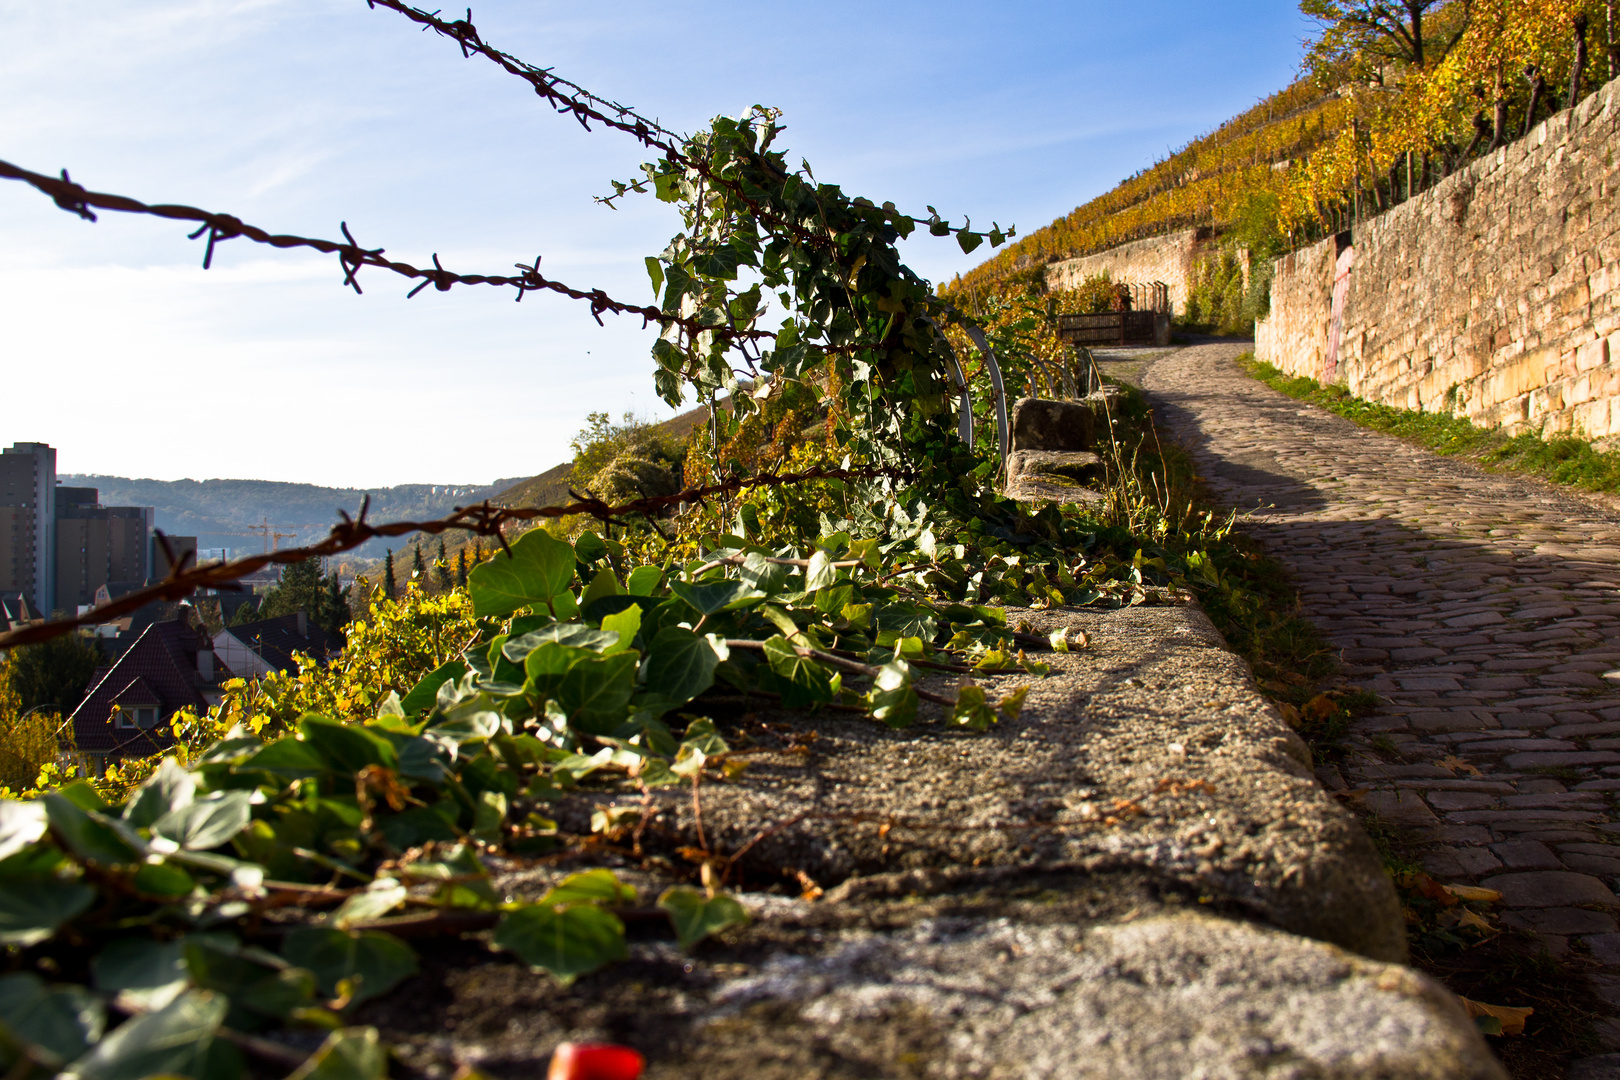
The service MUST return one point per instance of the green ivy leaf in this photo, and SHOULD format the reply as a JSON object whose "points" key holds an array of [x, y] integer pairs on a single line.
{"points": [[142, 973], [347, 1054], [971, 710], [373, 962], [566, 941], [596, 691], [539, 568], [702, 734], [207, 823], [625, 623], [87, 834], [163, 879], [800, 680], [590, 887], [573, 635], [176, 1040], [893, 699], [696, 916], [680, 665], [709, 597], [348, 747], [168, 789], [21, 824], [424, 693], [603, 585], [288, 757], [643, 580], [62, 1020]]}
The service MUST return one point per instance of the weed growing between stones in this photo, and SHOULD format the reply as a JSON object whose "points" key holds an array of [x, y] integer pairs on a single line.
{"points": [[1558, 459]]}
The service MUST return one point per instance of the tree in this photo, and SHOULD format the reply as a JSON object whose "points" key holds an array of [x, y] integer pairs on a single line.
{"points": [[441, 569], [301, 589], [1359, 30], [418, 571], [54, 673], [461, 567], [334, 610], [390, 589]]}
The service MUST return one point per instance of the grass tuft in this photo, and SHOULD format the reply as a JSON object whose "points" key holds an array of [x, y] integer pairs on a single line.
{"points": [[1560, 460]]}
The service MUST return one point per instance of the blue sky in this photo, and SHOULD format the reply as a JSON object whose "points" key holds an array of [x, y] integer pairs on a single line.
{"points": [[122, 352]]}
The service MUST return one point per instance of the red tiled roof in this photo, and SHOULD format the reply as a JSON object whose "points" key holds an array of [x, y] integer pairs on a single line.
{"points": [[163, 661]]}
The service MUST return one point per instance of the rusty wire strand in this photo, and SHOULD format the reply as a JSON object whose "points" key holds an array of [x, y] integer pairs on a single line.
{"points": [[348, 534], [74, 198], [573, 99]]}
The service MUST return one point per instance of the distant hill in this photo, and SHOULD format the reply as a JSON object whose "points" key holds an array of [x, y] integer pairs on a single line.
{"points": [[549, 488], [219, 513]]}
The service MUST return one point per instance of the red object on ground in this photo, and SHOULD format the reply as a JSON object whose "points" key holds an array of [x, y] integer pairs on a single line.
{"points": [[595, 1061]]}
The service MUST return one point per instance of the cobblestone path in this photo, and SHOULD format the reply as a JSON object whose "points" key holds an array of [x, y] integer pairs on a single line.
{"points": [[1485, 612]]}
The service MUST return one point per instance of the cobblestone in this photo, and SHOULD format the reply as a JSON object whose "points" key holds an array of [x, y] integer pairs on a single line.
{"points": [[1482, 610]]}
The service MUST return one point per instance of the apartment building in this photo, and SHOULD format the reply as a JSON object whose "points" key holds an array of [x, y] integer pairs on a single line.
{"points": [[98, 545], [28, 523], [59, 545]]}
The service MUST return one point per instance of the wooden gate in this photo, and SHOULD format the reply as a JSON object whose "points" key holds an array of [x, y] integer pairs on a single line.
{"points": [[1108, 328], [1144, 303]]}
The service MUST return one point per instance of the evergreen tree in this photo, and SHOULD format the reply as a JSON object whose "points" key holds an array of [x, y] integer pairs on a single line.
{"points": [[418, 571], [301, 589], [53, 674], [461, 568], [389, 587], [334, 615], [441, 568]]}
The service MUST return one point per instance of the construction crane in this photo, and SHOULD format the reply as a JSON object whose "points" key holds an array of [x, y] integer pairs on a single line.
{"points": [[272, 537]]}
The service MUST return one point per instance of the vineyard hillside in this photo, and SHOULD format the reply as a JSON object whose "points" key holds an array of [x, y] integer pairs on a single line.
{"points": [[1213, 180]]}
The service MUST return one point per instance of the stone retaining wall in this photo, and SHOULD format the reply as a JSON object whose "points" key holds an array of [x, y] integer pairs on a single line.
{"points": [[1495, 294], [1137, 879], [1170, 259]]}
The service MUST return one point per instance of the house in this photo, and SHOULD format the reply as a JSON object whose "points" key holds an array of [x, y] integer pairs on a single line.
{"points": [[14, 610], [258, 648], [170, 667]]}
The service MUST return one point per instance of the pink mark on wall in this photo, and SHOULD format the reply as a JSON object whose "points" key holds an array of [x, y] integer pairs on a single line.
{"points": [[1341, 290]]}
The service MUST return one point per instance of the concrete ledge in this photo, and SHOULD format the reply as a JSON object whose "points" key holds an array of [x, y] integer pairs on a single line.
{"points": [[1138, 878]]}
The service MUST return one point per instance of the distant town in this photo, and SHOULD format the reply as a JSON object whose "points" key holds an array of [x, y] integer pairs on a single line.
{"points": [[62, 552]]}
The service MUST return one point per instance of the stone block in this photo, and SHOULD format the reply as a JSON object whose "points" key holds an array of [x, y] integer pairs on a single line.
{"points": [[1526, 855], [1399, 807], [1567, 921], [1551, 888], [1043, 424], [1593, 354]]}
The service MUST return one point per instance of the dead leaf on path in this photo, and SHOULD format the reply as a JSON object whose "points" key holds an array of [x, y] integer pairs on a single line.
{"points": [[1478, 922], [1474, 892], [1454, 763], [1508, 1021], [1290, 714]]}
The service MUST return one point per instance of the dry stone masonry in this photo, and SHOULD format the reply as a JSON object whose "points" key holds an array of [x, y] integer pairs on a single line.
{"points": [[1172, 259], [1495, 294]]}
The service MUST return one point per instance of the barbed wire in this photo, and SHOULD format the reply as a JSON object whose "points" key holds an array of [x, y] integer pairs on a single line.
{"points": [[76, 199], [573, 99], [483, 519]]}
